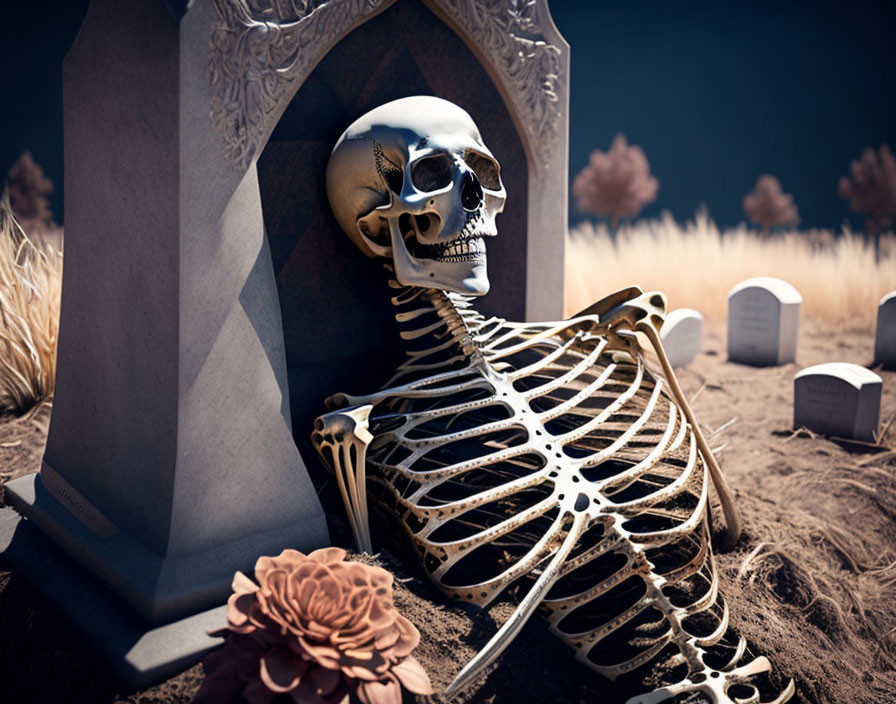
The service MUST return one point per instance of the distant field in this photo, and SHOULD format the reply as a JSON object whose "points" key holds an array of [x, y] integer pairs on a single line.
{"points": [[696, 264]]}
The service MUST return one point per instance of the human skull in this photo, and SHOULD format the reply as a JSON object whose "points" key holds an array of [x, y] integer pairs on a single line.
{"points": [[412, 180]]}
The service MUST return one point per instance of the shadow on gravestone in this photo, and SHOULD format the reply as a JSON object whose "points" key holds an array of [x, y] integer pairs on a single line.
{"points": [[839, 399], [763, 313], [885, 338], [682, 334], [338, 325], [169, 461]]}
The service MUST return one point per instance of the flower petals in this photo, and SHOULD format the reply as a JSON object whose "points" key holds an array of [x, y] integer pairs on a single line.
{"points": [[386, 691], [387, 638], [318, 629], [239, 607], [410, 636], [281, 672], [306, 592], [325, 655], [324, 681], [412, 676], [242, 584], [327, 555]]}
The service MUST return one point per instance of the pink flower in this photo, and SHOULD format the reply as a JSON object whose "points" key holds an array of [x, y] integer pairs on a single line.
{"points": [[317, 628]]}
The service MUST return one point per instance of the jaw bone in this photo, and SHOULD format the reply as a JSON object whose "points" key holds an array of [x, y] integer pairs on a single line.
{"points": [[467, 246], [460, 273]]}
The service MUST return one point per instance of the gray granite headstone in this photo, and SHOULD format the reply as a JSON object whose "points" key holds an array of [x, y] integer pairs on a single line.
{"points": [[682, 336], [170, 461], [839, 399], [762, 322], [885, 339]]}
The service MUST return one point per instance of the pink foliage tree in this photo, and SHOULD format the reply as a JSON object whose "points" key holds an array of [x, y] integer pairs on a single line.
{"points": [[616, 183], [768, 206], [870, 188], [28, 191]]}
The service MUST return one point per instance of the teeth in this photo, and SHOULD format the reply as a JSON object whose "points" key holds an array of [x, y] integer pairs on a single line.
{"points": [[468, 245], [463, 249]]}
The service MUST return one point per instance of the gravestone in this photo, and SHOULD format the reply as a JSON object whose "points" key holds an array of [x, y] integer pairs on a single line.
{"points": [[762, 322], [885, 339], [839, 399], [682, 336], [189, 336]]}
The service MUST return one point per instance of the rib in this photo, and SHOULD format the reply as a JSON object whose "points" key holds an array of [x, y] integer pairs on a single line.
{"points": [[613, 420]]}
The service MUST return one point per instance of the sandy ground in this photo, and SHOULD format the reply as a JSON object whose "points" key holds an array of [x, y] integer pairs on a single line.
{"points": [[812, 584]]}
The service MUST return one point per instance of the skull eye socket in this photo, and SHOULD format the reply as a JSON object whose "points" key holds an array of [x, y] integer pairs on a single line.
{"points": [[432, 173], [486, 170]]}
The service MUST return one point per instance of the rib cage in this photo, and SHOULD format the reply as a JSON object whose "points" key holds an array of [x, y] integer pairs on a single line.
{"points": [[549, 459]]}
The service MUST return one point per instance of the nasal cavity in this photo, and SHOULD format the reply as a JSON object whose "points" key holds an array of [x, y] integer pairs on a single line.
{"points": [[422, 222], [471, 193]]}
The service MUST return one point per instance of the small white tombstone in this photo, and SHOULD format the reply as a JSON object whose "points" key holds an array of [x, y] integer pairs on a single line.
{"points": [[762, 322], [838, 399], [885, 341], [682, 336]]}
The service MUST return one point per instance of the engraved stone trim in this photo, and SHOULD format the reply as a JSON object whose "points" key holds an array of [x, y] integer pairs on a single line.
{"points": [[511, 36], [260, 48]]}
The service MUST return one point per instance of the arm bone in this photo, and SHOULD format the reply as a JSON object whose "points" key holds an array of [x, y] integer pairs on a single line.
{"points": [[341, 439]]}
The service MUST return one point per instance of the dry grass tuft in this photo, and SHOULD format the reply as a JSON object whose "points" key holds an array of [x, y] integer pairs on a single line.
{"points": [[30, 286], [696, 265], [848, 596], [816, 585]]}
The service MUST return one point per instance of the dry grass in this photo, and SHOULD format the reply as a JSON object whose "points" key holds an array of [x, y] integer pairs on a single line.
{"points": [[30, 286], [696, 265], [846, 591]]}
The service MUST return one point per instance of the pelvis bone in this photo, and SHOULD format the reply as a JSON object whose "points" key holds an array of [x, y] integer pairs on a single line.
{"points": [[547, 458]]}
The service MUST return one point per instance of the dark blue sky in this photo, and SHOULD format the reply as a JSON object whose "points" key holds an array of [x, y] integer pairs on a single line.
{"points": [[716, 93], [34, 38]]}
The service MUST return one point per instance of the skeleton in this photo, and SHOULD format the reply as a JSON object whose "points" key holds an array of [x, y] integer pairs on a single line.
{"points": [[542, 457]]}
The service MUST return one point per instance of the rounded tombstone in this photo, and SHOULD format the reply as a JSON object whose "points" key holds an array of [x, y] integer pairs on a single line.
{"points": [[839, 399], [885, 339], [682, 335], [763, 313]]}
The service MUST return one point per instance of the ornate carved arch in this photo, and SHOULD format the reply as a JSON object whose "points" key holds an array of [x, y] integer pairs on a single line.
{"points": [[262, 50]]}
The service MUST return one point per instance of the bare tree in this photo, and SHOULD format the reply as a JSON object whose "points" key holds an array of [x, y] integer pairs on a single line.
{"points": [[616, 183], [768, 206]]}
